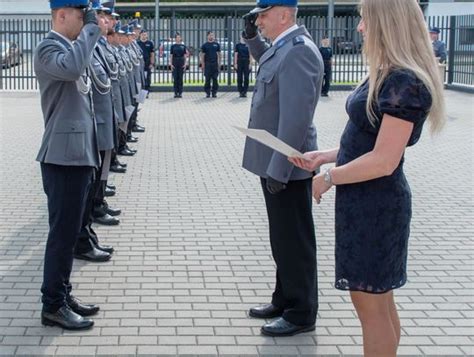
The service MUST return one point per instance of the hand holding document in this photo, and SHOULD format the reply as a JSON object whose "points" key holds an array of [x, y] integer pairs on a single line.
{"points": [[267, 139]]}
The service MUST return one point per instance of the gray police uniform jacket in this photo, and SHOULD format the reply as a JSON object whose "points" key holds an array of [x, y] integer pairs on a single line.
{"points": [[284, 100], [439, 50], [114, 72], [139, 53], [123, 78], [103, 103], [70, 129]]}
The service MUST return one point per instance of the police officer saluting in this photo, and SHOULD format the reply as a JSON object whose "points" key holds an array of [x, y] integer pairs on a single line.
{"points": [[68, 153], [87, 246], [284, 101], [242, 65], [210, 60], [178, 63]]}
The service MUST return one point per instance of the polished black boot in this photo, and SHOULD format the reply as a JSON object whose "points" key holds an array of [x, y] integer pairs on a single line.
{"points": [[66, 318], [267, 311], [82, 309], [106, 220], [94, 255], [281, 327]]}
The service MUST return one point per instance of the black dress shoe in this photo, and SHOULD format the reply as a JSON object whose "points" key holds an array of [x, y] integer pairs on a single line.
{"points": [[138, 129], [125, 152], [214, 95], [130, 149], [132, 139], [113, 212], [208, 96], [108, 192], [267, 311], [79, 308], [105, 208], [281, 327], [118, 169], [111, 187], [66, 318], [94, 255], [106, 220], [123, 164], [105, 248]]}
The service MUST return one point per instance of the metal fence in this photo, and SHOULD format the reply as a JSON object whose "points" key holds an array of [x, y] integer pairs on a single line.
{"points": [[456, 31]]}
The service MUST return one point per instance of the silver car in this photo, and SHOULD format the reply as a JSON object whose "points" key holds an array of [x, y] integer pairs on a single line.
{"points": [[10, 54]]}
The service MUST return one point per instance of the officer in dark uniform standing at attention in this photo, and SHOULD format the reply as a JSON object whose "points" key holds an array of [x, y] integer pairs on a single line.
{"points": [[148, 49], [242, 66], [326, 53], [178, 63], [210, 60], [68, 154]]}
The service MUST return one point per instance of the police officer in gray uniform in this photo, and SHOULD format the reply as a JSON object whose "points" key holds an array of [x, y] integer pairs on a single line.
{"points": [[439, 48], [68, 153], [115, 73], [284, 101], [87, 246]]}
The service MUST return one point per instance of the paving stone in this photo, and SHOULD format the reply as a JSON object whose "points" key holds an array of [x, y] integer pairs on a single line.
{"points": [[192, 247]]}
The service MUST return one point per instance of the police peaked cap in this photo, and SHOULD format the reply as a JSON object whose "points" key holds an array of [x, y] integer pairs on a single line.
{"points": [[57, 4], [96, 5], [135, 24], [435, 30], [118, 28], [264, 5], [111, 6]]}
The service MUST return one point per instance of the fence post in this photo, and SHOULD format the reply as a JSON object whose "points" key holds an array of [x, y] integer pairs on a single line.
{"points": [[229, 37], [452, 43]]}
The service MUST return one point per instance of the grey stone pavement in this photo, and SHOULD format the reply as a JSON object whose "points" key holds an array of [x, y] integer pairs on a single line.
{"points": [[192, 247]]}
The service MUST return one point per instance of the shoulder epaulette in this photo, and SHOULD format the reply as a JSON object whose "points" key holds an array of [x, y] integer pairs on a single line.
{"points": [[298, 40]]}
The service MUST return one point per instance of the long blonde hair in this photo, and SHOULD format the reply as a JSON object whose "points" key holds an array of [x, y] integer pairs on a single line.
{"points": [[397, 38]]}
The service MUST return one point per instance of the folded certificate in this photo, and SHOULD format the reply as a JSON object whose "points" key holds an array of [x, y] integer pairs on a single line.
{"points": [[267, 139], [142, 96]]}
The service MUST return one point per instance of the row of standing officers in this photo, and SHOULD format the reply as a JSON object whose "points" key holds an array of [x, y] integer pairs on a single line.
{"points": [[91, 74]]}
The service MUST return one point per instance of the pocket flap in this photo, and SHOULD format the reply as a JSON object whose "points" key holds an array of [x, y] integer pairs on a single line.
{"points": [[70, 127], [267, 77]]}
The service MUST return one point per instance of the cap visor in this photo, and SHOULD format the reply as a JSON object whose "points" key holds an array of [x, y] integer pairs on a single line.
{"points": [[258, 10], [114, 14]]}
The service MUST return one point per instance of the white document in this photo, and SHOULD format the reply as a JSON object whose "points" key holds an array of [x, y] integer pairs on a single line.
{"points": [[142, 96], [267, 139]]}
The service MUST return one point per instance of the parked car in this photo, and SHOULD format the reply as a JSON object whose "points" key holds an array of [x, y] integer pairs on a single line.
{"points": [[346, 46], [343, 45], [226, 46], [11, 54], [163, 55]]}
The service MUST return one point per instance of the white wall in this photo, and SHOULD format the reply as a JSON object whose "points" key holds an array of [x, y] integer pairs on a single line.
{"points": [[24, 9], [449, 8]]}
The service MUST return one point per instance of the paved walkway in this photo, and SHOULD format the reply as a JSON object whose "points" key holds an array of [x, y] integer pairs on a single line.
{"points": [[192, 248]]}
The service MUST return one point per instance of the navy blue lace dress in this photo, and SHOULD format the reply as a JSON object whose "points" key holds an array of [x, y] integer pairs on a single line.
{"points": [[373, 217]]}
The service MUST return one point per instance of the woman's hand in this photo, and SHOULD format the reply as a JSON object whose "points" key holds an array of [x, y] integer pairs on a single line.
{"points": [[319, 187], [312, 160]]}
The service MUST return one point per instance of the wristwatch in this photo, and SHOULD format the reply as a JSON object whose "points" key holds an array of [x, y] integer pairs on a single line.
{"points": [[327, 177]]}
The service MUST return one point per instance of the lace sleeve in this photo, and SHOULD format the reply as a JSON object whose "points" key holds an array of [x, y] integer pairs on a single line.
{"points": [[404, 96]]}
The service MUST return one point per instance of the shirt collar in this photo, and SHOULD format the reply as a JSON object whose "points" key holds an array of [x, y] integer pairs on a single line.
{"points": [[284, 33], [62, 36]]}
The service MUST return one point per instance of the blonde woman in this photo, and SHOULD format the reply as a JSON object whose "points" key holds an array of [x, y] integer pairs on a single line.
{"points": [[373, 199]]}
